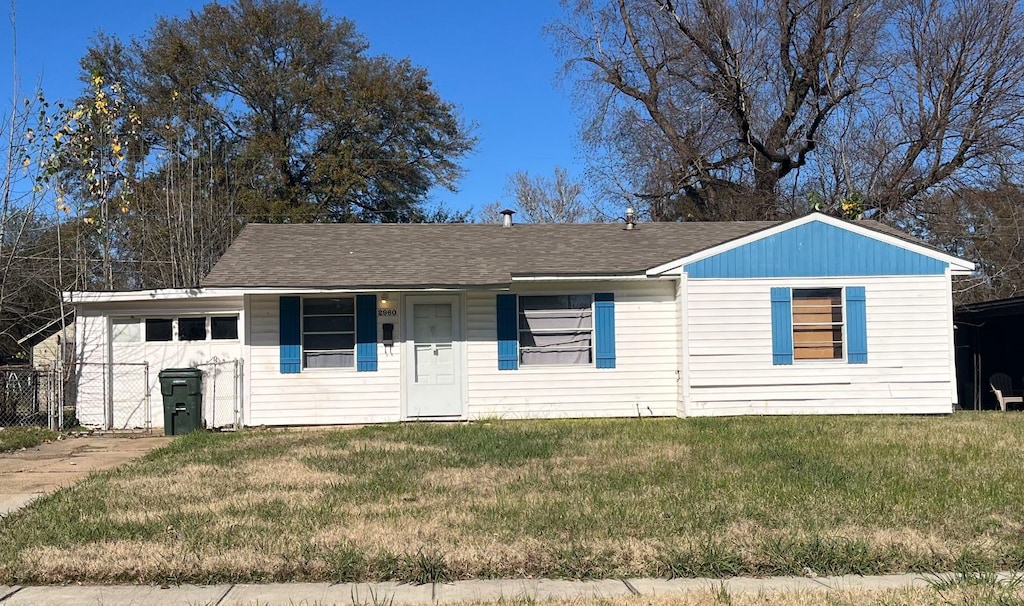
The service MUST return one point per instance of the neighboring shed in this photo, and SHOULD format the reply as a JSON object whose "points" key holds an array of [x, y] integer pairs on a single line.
{"points": [[382, 323], [989, 340], [50, 343]]}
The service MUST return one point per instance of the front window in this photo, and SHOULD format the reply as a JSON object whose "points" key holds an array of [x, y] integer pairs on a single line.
{"points": [[224, 327], [191, 329], [818, 324], [159, 329], [556, 329], [328, 332]]}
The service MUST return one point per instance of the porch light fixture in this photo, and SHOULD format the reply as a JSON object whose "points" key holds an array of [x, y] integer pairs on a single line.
{"points": [[384, 299]]}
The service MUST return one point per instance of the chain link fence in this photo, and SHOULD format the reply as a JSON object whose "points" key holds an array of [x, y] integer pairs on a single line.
{"points": [[127, 396], [30, 396], [121, 396]]}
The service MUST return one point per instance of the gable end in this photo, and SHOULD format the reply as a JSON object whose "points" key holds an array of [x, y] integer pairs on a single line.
{"points": [[815, 249]]}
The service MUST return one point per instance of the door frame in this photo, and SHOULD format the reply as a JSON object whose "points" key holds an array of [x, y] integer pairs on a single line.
{"points": [[459, 340]]}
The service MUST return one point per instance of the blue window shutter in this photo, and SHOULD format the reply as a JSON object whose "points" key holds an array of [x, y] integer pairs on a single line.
{"points": [[508, 333], [366, 333], [856, 326], [604, 329], [291, 334], [782, 325]]}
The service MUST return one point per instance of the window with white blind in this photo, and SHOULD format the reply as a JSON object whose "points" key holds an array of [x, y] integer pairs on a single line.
{"points": [[556, 329], [328, 332], [817, 324]]}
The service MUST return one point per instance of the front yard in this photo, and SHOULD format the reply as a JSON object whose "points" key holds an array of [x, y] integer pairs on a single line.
{"points": [[568, 499]]}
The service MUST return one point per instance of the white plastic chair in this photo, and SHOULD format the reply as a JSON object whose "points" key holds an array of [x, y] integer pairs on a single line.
{"points": [[1002, 386]]}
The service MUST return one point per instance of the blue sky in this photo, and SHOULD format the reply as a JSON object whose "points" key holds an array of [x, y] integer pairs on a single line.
{"points": [[489, 58]]}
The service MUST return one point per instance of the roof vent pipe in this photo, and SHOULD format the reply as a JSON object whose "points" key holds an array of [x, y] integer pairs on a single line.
{"points": [[630, 218], [506, 220]]}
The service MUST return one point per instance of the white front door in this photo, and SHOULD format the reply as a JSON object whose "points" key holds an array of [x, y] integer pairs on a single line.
{"points": [[434, 352]]}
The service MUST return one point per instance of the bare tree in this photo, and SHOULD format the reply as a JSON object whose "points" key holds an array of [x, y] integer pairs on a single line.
{"points": [[31, 277], [542, 199], [732, 109]]}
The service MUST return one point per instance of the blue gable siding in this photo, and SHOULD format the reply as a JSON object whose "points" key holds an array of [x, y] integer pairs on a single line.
{"points": [[815, 249]]}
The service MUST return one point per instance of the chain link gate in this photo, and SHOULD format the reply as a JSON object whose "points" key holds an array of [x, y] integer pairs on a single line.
{"points": [[222, 405], [114, 395]]}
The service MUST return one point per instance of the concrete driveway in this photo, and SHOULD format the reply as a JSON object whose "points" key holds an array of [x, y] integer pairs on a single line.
{"points": [[27, 474]]}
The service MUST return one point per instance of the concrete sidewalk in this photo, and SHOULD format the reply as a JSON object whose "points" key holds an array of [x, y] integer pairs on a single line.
{"points": [[371, 594]]}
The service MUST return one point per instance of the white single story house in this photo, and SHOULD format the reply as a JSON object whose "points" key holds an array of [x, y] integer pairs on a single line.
{"points": [[361, 323]]}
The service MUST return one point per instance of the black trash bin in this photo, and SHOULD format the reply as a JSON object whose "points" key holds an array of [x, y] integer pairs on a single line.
{"points": [[182, 390]]}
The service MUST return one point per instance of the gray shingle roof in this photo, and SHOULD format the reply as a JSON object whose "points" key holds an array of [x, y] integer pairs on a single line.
{"points": [[416, 255], [423, 255]]}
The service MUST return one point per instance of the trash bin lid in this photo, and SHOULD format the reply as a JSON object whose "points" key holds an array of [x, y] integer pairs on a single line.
{"points": [[187, 373]]}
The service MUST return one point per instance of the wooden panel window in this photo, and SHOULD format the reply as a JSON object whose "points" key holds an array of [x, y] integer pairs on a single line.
{"points": [[818, 324]]}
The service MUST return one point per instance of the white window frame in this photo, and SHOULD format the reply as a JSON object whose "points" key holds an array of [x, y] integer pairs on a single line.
{"points": [[140, 321], [174, 329], [209, 327], [206, 328], [303, 333]]}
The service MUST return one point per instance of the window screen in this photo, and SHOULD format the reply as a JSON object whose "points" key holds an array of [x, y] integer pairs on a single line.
{"points": [[191, 329], [328, 333], [224, 327], [158, 329], [818, 324], [556, 329]]}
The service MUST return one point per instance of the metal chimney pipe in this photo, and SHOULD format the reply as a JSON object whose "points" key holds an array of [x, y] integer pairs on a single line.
{"points": [[507, 217]]}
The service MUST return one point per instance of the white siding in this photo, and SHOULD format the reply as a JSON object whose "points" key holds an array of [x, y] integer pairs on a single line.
{"points": [[113, 383], [729, 343], [644, 380], [323, 396]]}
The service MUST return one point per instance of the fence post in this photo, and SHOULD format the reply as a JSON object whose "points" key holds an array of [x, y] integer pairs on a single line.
{"points": [[51, 396], [61, 394], [234, 395], [148, 391]]}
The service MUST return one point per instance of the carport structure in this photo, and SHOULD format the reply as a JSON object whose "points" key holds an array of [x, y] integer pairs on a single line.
{"points": [[989, 339]]}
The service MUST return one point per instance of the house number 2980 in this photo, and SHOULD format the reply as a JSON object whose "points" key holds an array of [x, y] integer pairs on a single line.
{"points": [[387, 312]]}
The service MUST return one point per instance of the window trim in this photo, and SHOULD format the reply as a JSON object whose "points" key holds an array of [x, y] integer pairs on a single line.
{"points": [[842, 324], [141, 321], [209, 323], [177, 328], [145, 329], [302, 333]]}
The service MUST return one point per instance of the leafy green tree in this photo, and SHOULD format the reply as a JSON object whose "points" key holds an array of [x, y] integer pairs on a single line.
{"points": [[311, 126], [260, 110]]}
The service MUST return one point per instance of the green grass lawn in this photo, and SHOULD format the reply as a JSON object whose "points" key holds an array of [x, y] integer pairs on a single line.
{"points": [[569, 499], [13, 438]]}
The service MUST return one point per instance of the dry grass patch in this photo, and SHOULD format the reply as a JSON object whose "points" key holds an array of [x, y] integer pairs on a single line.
{"points": [[565, 499], [916, 596]]}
